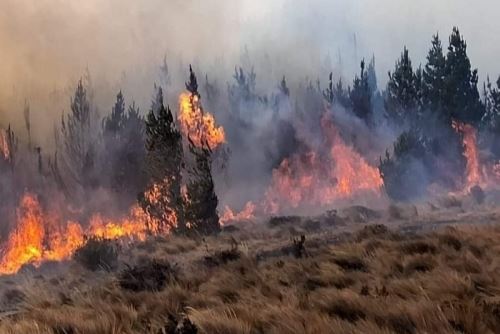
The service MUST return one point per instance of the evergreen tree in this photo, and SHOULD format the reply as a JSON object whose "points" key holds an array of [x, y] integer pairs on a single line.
{"points": [[401, 100], [491, 119], [461, 95], [372, 75], [361, 95], [164, 159], [78, 141], [201, 201], [124, 148], [405, 172], [434, 78]]}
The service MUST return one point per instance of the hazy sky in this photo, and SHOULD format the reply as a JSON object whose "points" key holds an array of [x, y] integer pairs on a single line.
{"points": [[45, 45]]}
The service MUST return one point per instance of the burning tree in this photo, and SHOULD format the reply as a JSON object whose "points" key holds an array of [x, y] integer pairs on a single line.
{"points": [[164, 161], [201, 201]]}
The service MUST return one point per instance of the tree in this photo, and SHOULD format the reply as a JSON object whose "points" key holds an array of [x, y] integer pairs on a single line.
{"points": [[372, 75], [164, 161], [491, 119], [361, 95], [461, 96], [124, 149], [405, 172], [433, 77], [78, 141], [401, 98], [201, 201], [201, 204]]}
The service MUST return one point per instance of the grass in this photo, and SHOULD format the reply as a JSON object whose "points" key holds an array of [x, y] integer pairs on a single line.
{"points": [[371, 279]]}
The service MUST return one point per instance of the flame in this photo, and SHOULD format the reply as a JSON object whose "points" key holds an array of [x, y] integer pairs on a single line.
{"points": [[246, 214], [474, 176], [198, 124], [314, 179], [40, 236]]}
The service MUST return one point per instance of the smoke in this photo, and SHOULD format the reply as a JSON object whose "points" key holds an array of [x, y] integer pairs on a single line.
{"points": [[48, 44]]}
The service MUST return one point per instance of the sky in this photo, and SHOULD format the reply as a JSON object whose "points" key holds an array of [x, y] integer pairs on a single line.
{"points": [[46, 45]]}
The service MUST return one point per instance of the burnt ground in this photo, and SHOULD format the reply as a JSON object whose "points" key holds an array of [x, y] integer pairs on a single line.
{"points": [[406, 269]]}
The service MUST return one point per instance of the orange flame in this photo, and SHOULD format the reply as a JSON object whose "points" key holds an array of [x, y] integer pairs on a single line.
{"points": [[319, 180], [246, 214], [474, 175], [198, 124], [39, 237]]}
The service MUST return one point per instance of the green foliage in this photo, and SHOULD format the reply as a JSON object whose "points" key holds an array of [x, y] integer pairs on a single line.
{"points": [[404, 172], [124, 149], [402, 95], [78, 142], [201, 205], [434, 75], [164, 161], [361, 95], [461, 96]]}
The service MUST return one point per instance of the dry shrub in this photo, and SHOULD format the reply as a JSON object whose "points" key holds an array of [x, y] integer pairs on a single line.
{"points": [[370, 231], [220, 321], [418, 247], [97, 253], [350, 262], [222, 257], [151, 275]]}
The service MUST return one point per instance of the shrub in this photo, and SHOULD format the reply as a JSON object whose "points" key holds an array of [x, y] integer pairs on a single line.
{"points": [[151, 275], [97, 253]]}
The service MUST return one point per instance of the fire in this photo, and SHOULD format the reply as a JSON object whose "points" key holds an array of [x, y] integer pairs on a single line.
{"points": [[474, 174], [198, 124], [39, 237], [314, 179], [246, 214]]}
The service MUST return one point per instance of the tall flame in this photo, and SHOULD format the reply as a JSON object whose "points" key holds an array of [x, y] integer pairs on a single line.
{"points": [[198, 124], [316, 179], [474, 174]]}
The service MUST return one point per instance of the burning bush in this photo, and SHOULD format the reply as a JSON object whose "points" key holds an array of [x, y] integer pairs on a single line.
{"points": [[97, 253]]}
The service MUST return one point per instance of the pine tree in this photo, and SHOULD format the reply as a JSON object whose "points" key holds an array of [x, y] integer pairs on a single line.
{"points": [[372, 75], [361, 95], [401, 99], [78, 141], [491, 119], [461, 95], [164, 159], [434, 78], [201, 201], [405, 172], [124, 148]]}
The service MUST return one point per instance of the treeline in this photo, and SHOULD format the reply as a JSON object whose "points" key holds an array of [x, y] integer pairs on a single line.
{"points": [[124, 159], [107, 164]]}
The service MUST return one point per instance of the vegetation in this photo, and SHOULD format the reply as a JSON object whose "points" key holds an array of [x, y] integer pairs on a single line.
{"points": [[375, 279]]}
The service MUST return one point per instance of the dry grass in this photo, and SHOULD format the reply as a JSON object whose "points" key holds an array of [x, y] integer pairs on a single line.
{"points": [[373, 280]]}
